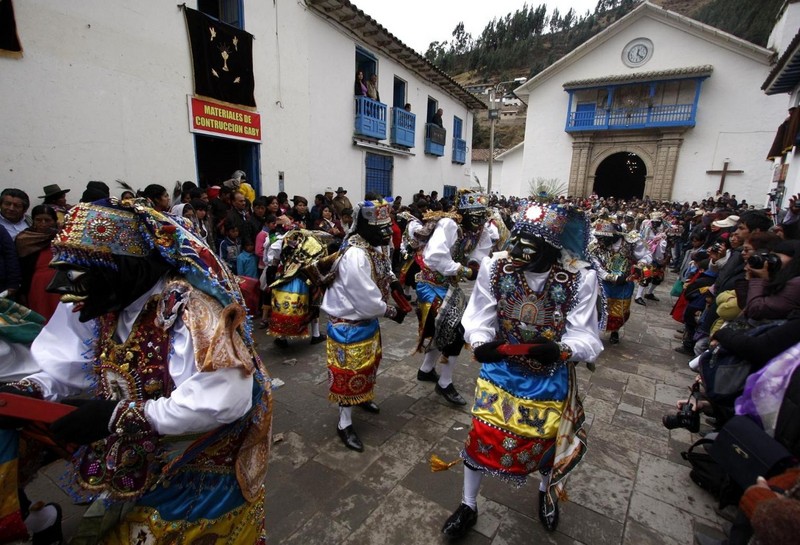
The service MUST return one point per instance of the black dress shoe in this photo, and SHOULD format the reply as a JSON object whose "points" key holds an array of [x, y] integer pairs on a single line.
{"points": [[459, 522], [683, 350], [651, 297], [450, 394], [350, 438], [318, 339], [614, 338], [640, 301], [370, 406], [550, 523], [280, 342], [428, 376]]}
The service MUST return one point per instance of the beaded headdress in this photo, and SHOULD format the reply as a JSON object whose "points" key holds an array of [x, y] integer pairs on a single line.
{"points": [[471, 201], [563, 226], [605, 228], [376, 212], [95, 232]]}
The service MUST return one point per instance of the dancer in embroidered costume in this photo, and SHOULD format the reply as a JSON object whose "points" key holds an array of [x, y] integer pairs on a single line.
{"points": [[174, 440], [532, 313], [456, 243], [615, 256], [655, 238], [362, 286], [295, 299]]}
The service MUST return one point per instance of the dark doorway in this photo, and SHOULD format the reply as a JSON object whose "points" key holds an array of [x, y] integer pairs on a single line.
{"points": [[218, 158], [621, 175]]}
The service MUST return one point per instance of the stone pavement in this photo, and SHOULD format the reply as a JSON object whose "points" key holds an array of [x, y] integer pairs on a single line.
{"points": [[632, 487]]}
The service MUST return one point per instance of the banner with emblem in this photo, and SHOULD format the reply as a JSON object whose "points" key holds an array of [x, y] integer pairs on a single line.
{"points": [[9, 41], [222, 57]]}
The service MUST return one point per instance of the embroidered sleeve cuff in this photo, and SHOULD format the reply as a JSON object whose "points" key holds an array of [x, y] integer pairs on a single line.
{"points": [[565, 352], [128, 418], [391, 312], [29, 387]]}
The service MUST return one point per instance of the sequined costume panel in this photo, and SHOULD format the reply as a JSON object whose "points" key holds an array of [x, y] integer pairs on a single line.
{"points": [[354, 354]]}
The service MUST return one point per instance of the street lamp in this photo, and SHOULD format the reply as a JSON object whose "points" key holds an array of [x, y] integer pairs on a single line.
{"points": [[494, 114]]}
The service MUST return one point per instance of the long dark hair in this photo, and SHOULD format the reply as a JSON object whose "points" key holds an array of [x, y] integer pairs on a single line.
{"points": [[786, 273]]}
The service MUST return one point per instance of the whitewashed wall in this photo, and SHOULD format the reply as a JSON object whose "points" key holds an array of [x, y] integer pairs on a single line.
{"points": [[100, 94], [735, 120]]}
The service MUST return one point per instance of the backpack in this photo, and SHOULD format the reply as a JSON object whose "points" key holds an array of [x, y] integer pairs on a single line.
{"points": [[708, 475]]}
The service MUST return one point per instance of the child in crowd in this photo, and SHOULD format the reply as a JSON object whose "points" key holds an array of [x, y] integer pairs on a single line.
{"points": [[230, 246], [246, 262]]}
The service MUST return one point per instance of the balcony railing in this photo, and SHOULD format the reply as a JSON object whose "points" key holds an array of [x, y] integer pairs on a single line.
{"points": [[370, 118], [403, 125], [670, 115], [459, 151], [435, 138]]}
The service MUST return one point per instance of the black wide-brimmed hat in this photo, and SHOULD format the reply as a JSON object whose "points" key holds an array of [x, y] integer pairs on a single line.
{"points": [[52, 190]]}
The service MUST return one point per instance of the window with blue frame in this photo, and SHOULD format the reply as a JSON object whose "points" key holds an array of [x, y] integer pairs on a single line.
{"points": [[459, 144], [449, 192], [227, 11], [379, 174]]}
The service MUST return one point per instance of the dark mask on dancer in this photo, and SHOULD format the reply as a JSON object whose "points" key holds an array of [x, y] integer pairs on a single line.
{"points": [[376, 235], [532, 253], [99, 290]]}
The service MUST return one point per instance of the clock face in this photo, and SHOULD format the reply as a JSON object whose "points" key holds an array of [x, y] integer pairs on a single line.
{"points": [[637, 52]]}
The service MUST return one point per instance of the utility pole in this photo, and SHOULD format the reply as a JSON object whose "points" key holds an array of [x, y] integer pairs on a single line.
{"points": [[492, 120]]}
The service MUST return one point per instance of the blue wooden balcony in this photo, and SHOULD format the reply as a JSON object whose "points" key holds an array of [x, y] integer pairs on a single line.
{"points": [[370, 118], [435, 138], [459, 151], [593, 119], [403, 125]]}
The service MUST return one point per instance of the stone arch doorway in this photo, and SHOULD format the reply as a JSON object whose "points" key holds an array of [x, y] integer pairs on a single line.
{"points": [[621, 175]]}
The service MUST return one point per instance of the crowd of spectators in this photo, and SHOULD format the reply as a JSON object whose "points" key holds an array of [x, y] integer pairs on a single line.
{"points": [[737, 267]]}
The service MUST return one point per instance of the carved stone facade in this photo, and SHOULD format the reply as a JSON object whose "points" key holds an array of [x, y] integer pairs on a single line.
{"points": [[658, 150]]}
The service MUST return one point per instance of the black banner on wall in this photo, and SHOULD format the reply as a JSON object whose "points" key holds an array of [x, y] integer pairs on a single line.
{"points": [[222, 56]]}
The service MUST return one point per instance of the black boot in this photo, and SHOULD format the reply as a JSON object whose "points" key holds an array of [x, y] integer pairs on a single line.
{"points": [[459, 522], [614, 338]]}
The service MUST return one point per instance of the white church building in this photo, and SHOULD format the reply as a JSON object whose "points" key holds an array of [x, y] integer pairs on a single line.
{"points": [[105, 90], [656, 105]]}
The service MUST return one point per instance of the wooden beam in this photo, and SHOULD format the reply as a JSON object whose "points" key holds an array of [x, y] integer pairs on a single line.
{"points": [[369, 33]]}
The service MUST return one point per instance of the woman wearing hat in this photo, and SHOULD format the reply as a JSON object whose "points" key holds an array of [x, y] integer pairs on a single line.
{"points": [[56, 198]]}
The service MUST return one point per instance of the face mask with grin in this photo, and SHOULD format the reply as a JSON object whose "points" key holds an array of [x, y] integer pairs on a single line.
{"points": [[532, 253], [99, 290], [471, 221], [375, 235]]}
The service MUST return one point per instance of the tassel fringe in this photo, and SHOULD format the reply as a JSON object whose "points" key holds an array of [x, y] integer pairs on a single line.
{"points": [[437, 464]]}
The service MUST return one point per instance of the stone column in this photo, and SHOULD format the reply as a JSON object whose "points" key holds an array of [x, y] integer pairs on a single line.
{"points": [[579, 183], [667, 151]]}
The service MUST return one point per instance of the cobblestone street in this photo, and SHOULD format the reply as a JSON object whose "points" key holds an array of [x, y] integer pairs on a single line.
{"points": [[632, 487]]}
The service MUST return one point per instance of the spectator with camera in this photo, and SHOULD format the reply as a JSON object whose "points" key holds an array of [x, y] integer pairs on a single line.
{"points": [[773, 290]]}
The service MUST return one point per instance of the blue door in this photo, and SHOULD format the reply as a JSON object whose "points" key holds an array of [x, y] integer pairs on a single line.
{"points": [[379, 174], [584, 114]]}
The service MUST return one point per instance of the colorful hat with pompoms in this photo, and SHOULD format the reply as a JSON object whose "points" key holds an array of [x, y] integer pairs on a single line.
{"points": [[563, 226]]}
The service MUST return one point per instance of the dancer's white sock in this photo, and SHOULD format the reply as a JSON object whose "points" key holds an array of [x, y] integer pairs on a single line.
{"points": [[446, 374], [472, 484], [315, 328], [345, 417], [429, 361]]}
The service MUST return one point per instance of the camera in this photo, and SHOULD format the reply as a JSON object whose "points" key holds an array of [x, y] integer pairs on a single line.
{"points": [[716, 247], [756, 261], [686, 417]]}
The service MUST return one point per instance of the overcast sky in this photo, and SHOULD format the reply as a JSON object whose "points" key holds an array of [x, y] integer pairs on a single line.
{"points": [[417, 23]]}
